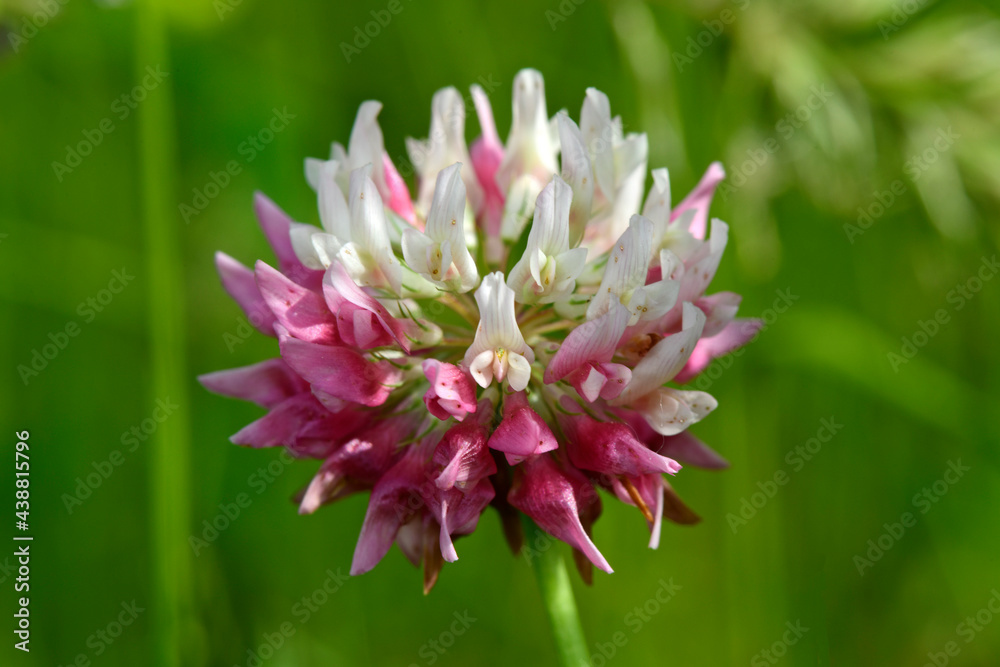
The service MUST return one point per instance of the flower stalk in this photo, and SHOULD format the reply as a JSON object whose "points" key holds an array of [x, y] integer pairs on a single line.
{"points": [[557, 596]]}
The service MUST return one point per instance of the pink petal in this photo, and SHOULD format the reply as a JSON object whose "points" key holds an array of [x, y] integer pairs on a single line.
{"points": [[595, 340], [362, 461], [359, 327], [395, 500], [689, 449], [281, 426], [486, 160], [720, 309], [593, 381], [588, 382], [464, 456], [618, 377], [486, 153], [522, 432], [301, 311], [683, 447], [276, 225], [239, 283], [266, 383], [320, 438], [701, 198], [338, 285], [397, 195], [555, 498], [458, 513], [611, 448], [734, 336], [339, 371], [452, 392]]}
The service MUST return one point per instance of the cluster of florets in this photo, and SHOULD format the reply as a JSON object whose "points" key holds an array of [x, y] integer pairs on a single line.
{"points": [[513, 336]]}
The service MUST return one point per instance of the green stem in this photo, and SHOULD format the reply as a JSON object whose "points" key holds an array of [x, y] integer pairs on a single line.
{"points": [[557, 595]]}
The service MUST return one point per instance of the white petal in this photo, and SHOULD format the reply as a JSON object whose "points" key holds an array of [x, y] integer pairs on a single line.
{"points": [[326, 246], [445, 146], [536, 262], [720, 310], [666, 358], [519, 372], [657, 206], [653, 301], [448, 120], [631, 155], [548, 240], [301, 235], [481, 367], [467, 270], [368, 226], [520, 280], [366, 144], [313, 168], [554, 131], [591, 388], [701, 268], [670, 411], [627, 266], [570, 264], [678, 238], [654, 533], [550, 227], [369, 230], [529, 147], [595, 125], [444, 243], [418, 150], [496, 310], [415, 247], [519, 206], [630, 181], [333, 212], [353, 260], [498, 331], [577, 172], [671, 266], [339, 154], [447, 212], [445, 259]]}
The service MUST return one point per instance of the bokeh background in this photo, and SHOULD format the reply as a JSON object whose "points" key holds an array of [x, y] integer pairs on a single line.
{"points": [[894, 109]]}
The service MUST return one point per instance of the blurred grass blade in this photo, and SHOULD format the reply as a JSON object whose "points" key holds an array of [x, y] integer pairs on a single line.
{"points": [[832, 340], [168, 464]]}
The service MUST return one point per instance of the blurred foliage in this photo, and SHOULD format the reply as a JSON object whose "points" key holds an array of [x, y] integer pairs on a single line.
{"points": [[889, 75], [861, 297]]}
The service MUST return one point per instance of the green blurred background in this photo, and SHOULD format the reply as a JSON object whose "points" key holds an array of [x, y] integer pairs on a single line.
{"points": [[706, 80]]}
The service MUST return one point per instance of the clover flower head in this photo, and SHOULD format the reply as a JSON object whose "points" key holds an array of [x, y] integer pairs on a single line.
{"points": [[516, 335]]}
